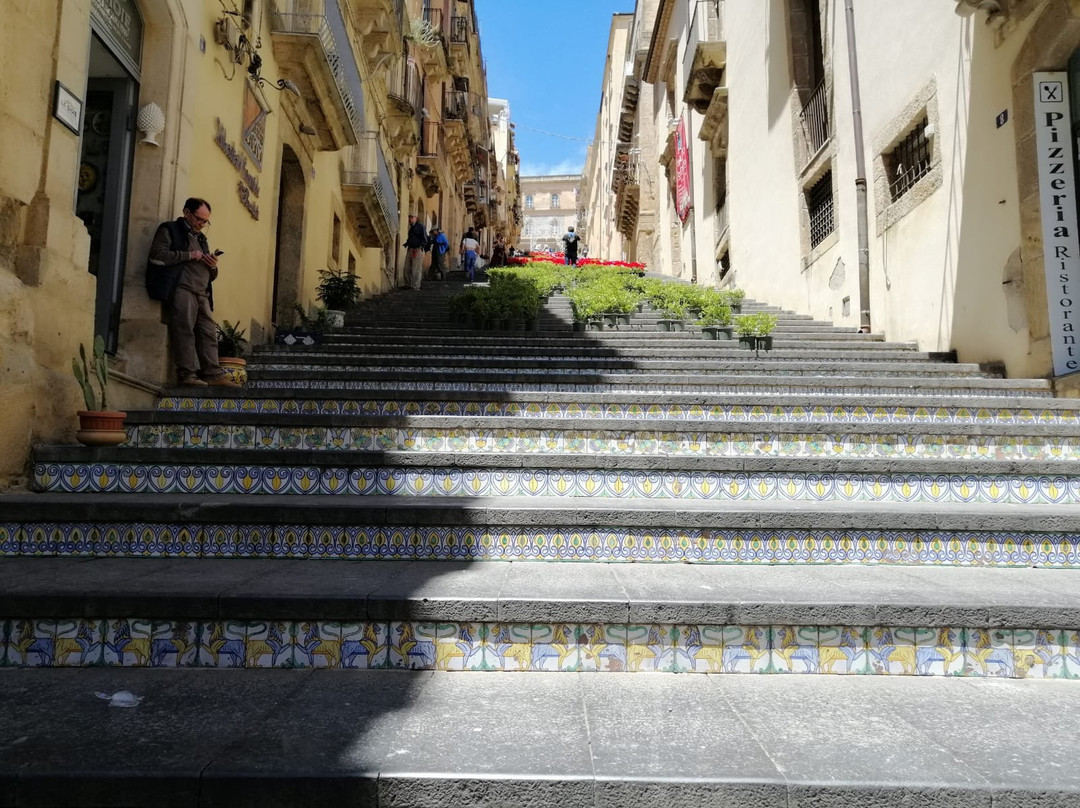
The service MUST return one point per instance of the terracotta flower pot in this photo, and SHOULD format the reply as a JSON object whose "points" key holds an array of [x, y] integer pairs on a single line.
{"points": [[235, 368], [101, 428]]}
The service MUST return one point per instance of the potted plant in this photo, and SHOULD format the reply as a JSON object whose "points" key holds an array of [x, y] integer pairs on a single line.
{"points": [[715, 318], [735, 298], [98, 425], [309, 329], [755, 330], [230, 346], [339, 291]]}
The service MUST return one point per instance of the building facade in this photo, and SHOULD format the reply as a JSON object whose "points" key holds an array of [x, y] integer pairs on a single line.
{"points": [[313, 127], [549, 207], [745, 110]]}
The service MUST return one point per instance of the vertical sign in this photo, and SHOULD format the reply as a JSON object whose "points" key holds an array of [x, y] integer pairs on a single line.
{"points": [[1057, 202], [682, 172]]}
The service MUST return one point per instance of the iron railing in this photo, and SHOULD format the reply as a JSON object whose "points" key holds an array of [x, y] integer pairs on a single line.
{"points": [[455, 105], [459, 30], [815, 118], [721, 222], [909, 162], [819, 205], [430, 138], [366, 166], [434, 19], [329, 29], [406, 84]]}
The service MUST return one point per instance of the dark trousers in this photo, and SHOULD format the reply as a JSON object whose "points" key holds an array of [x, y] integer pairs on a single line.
{"points": [[193, 335]]}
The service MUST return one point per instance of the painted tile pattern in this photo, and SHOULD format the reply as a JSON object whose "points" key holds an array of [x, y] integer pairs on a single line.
{"points": [[840, 413], [763, 385], [456, 482], [648, 443], [511, 543], [556, 647], [640, 367]]}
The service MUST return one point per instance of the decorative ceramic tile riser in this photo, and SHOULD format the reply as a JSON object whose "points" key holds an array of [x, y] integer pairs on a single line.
{"points": [[558, 647], [511, 543], [655, 411], [624, 442], [642, 367], [455, 482], [630, 386]]}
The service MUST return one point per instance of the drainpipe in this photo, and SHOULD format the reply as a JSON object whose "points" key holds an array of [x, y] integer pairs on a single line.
{"points": [[860, 171]]}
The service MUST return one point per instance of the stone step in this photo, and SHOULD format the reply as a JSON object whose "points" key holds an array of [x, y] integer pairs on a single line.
{"points": [[462, 330], [349, 367], [480, 434], [649, 383], [704, 349], [539, 616], [821, 408], [538, 528], [501, 740], [570, 341], [431, 474]]}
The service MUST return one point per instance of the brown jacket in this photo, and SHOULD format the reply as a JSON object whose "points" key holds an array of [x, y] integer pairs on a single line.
{"points": [[196, 276]]}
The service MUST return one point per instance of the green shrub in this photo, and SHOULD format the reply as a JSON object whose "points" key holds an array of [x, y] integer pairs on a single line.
{"points": [[759, 324]]}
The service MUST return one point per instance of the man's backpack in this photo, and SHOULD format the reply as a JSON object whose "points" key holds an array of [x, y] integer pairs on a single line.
{"points": [[161, 281]]}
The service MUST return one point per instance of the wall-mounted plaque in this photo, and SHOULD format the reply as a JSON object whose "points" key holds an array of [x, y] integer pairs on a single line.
{"points": [[67, 108]]}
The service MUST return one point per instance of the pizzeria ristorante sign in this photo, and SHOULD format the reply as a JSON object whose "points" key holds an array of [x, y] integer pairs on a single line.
{"points": [[1057, 202]]}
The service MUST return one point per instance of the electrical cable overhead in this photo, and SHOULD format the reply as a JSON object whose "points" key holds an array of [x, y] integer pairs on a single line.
{"points": [[551, 134]]}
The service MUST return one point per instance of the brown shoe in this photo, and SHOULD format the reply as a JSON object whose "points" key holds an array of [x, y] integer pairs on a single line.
{"points": [[221, 381], [192, 381]]}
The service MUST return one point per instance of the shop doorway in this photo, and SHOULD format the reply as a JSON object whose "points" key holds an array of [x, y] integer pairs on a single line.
{"points": [[104, 183], [290, 236]]}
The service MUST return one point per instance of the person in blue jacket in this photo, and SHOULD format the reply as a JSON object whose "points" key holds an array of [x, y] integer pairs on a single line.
{"points": [[440, 246]]}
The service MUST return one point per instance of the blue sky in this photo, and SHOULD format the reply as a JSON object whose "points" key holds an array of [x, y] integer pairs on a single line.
{"points": [[547, 58]]}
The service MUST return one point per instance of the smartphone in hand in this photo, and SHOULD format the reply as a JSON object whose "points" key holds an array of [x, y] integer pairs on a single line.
{"points": [[218, 252]]}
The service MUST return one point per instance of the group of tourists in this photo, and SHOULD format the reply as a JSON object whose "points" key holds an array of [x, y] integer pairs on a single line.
{"points": [[418, 241]]}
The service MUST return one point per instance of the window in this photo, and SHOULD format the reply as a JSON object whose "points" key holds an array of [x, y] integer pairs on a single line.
{"points": [[529, 201], [909, 161], [725, 264], [352, 263], [554, 200], [335, 241], [819, 205]]}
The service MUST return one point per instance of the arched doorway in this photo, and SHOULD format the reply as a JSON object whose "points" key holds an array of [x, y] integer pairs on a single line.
{"points": [[290, 236], [107, 153]]}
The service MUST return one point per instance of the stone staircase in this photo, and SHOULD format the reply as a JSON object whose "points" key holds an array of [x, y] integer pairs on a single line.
{"points": [[389, 505]]}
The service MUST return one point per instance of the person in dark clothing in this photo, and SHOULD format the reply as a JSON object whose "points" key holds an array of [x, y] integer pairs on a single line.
{"points": [[571, 240], [439, 248], [192, 330], [415, 244], [498, 252]]}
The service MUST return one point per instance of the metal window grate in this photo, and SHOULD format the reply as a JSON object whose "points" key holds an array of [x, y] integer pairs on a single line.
{"points": [[909, 161], [819, 204]]}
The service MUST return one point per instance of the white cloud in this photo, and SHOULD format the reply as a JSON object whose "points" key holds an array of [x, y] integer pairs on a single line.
{"points": [[568, 166]]}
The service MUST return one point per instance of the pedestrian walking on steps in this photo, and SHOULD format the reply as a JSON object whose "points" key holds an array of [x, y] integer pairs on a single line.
{"points": [[440, 246], [415, 244], [469, 249], [570, 242], [180, 255]]}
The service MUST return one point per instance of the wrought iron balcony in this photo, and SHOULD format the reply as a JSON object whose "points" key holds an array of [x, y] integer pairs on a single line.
{"points": [[431, 139], [706, 54], [429, 44], [815, 119], [368, 192], [313, 51]]}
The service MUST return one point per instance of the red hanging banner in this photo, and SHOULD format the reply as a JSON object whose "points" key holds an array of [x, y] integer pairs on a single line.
{"points": [[682, 172]]}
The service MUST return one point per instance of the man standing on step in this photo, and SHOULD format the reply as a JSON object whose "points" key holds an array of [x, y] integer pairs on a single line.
{"points": [[415, 244], [571, 240], [192, 330]]}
